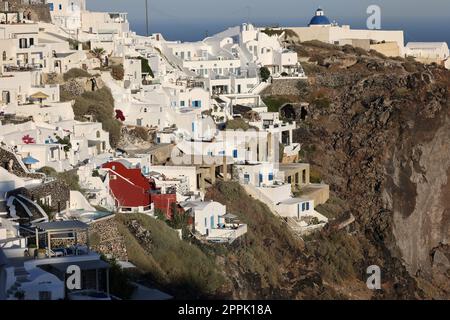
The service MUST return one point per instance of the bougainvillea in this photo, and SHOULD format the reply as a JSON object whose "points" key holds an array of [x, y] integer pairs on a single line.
{"points": [[28, 139], [119, 115]]}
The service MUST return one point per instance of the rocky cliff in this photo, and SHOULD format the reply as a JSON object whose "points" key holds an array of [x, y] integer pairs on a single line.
{"points": [[378, 131], [35, 11]]}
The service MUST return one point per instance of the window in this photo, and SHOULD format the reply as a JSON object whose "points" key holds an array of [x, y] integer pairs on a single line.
{"points": [[303, 206], [235, 153], [31, 41], [98, 134], [182, 103], [4, 56], [45, 295], [60, 7], [307, 206], [270, 176], [196, 103], [50, 6], [112, 177], [23, 43]]}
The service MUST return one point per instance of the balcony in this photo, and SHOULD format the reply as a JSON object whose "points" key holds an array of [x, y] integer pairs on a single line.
{"points": [[25, 68], [228, 230]]}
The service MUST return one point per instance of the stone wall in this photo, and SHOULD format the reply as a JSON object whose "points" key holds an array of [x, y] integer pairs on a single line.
{"points": [[15, 167], [105, 238], [58, 190], [35, 12], [282, 87]]}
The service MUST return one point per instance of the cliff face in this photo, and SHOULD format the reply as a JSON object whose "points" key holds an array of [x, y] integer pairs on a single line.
{"points": [[378, 131]]}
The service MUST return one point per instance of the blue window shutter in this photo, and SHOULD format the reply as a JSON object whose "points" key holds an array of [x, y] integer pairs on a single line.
{"points": [[260, 178], [235, 153], [193, 126], [270, 176], [307, 206], [303, 206], [50, 5]]}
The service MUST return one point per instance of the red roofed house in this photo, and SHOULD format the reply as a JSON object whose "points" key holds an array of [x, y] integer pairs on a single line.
{"points": [[133, 192]]}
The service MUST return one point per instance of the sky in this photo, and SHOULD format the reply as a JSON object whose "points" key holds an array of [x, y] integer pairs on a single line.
{"points": [[188, 20]]}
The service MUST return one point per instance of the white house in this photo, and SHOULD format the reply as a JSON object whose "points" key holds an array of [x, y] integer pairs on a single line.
{"points": [[212, 222], [388, 42], [429, 52]]}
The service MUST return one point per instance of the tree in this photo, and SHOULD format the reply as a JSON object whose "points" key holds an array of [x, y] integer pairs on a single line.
{"points": [[264, 73], [98, 53]]}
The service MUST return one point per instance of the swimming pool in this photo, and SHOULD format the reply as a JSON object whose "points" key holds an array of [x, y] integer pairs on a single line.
{"points": [[93, 216]]}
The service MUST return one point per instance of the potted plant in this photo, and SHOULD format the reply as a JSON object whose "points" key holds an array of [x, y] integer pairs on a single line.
{"points": [[31, 249], [41, 253], [19, 295]]}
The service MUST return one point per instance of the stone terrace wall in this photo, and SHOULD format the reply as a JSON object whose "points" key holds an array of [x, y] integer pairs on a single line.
{"points": [[17, 168], [36, 12], [58, 190], [282, 87], [105, 238]]}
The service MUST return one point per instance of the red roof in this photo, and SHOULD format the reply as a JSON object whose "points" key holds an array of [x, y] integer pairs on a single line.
{"points": [[128, 186]]}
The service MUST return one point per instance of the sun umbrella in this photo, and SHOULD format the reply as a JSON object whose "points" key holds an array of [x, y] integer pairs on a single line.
{"points": [[30, 160], [39, 96]]}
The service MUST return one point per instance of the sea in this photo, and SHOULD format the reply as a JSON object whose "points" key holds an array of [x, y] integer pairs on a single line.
{"points": [[415, 29]]}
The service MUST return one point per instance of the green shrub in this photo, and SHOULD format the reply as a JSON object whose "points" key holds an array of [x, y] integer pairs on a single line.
{"points": [[339, 255], [117, 72], [76, 73], [120, 281], [99, 104], [69, 177], [264, 73], [178, 265], [236, 124], [146, 67], [274, 103]]}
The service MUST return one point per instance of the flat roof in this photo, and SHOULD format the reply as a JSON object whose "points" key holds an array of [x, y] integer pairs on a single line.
{"points": [[84, 265], [62, 225], [289, 166]]}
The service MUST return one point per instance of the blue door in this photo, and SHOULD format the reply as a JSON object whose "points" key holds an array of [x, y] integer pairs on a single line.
{"points": [[260, 178], [235, 153]]}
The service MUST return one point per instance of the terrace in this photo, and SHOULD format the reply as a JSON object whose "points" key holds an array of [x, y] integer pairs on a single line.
{"points": [[228, 229]]}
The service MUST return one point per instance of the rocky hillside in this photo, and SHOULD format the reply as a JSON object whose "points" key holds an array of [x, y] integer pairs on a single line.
{"points": [[34, 12], [377, 130]]}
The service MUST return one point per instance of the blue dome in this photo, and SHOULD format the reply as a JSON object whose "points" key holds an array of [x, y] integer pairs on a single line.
{"points": [[319, 20]]}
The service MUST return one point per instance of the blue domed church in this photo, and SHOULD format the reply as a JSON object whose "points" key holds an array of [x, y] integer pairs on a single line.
{"points": [[320, 19]]}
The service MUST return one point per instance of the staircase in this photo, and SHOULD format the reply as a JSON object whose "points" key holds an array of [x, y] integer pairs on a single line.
{"points": [[21, 276]]}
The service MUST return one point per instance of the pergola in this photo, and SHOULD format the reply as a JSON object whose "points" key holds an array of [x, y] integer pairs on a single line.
{"points": [[64, 229], [69, 230]]}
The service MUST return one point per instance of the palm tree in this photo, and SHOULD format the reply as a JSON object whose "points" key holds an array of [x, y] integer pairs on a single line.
{"points": [[98, 53]]}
